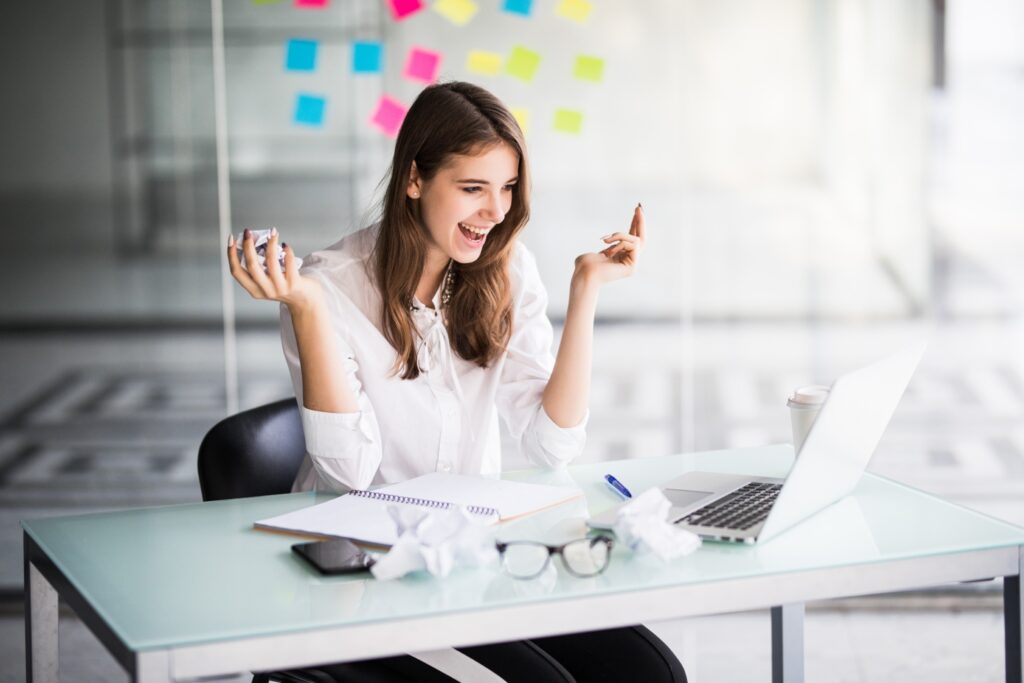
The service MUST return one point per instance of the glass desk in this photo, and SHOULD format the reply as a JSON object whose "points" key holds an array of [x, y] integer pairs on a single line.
{"points": [[188, 591]]}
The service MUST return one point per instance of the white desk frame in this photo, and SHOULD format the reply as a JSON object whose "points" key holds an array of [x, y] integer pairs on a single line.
{"points": [[789, 592]]}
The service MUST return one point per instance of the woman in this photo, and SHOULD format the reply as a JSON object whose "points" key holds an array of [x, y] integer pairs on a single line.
{"points": [[407, 340]]}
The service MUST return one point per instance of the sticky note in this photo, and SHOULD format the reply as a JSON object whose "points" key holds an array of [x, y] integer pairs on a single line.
{"points": [[300, 55], [568, 121], [311, 4], [389, 115], [588, 68], [422, 65], [487, 63], [577, 10], [522, 118], [367, 57], [459, 12], [309, 109], [401, 9], [523, 7], [522, 63]]}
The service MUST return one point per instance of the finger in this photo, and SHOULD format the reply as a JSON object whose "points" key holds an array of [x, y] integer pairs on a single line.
{"points": [[273, 268], [253, 262], [619, 248], [620, 237], [291, 272], [239, 272], [639, 225]]}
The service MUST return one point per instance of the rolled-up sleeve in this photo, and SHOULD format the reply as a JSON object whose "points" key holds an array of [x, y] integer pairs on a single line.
{"points": [[527, 369], [344, 448]]}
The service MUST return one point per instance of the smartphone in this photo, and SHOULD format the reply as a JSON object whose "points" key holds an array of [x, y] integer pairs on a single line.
{"points": [[337, 556]]}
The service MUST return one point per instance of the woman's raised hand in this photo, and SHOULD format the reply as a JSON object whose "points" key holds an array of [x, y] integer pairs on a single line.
{"points": [[620, 258], [288, 287]]}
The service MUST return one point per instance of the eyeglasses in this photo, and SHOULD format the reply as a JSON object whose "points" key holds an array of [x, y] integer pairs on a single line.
{"points": [[583, 557]]}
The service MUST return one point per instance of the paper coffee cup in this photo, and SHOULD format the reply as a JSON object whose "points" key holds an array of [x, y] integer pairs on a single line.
{"points": [[804, 404]]}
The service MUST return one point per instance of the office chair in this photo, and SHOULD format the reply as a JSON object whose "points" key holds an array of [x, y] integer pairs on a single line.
{"points": [[256, 453]]}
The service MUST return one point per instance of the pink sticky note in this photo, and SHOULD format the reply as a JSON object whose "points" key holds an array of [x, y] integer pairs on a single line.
{"points": [[389, 115], [400, 9], [422, 65], [312, 4]]}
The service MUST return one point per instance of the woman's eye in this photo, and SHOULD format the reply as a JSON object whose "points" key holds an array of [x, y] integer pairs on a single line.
{"points": [[509, 188], [472, 189]]}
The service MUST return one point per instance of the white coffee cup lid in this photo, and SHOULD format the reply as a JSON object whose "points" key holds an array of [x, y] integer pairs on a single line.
{"points": [[812, 395]]}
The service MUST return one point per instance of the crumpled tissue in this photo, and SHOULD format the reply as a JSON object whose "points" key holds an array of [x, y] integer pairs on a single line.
{"points": [[436, 541], [260, 238], [643, 526]]}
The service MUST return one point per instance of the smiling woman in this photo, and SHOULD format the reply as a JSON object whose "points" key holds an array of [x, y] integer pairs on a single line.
{"points": [[407, 340]]}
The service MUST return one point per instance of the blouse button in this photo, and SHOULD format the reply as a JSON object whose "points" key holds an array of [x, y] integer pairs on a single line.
{"points": [[445, 467]]}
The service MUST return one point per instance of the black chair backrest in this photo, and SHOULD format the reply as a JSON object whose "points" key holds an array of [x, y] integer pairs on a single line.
{"points": [[254, 453]]}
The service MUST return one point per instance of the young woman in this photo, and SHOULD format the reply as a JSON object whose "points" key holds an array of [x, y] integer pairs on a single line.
{"points": [[408, 339]]}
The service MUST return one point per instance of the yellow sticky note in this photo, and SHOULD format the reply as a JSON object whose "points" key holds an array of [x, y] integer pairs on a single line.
{"points": [[523, 118], [577, 10], [488, 63], [588, 68], [459, 12], [522, 63], [568, 121]]}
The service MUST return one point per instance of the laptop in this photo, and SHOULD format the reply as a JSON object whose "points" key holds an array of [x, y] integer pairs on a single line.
{"points": [[750, 509]]}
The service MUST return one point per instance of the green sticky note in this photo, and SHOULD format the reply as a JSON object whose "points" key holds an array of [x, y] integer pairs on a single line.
{"points": [[568, 121], [522, 63], [588, 68]]}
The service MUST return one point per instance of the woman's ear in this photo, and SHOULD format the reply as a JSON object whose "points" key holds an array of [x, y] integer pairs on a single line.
{"points": [[413, 189]]}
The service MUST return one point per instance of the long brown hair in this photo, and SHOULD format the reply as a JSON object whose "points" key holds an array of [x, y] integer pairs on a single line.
{"points": [[445, 120]]}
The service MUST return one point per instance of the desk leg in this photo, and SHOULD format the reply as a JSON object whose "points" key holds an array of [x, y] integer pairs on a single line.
{"points": [[151, 667], [1013, 606], [41, 651], [788, 643]]}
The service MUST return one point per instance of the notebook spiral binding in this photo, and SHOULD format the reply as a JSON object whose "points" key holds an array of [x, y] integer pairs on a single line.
{"points": [[424, 502]]}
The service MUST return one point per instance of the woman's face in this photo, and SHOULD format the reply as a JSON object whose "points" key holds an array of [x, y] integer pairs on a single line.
{"points": [[463, 202]]}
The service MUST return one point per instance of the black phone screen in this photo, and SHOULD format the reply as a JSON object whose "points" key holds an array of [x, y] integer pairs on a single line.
{"points": [[337, 556]]}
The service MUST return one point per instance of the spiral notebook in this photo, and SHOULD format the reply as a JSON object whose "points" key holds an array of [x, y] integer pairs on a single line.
{"points": [[363, 515]]}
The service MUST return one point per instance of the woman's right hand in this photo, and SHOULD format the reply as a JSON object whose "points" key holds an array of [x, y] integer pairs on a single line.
{"points": [[294, 290]]}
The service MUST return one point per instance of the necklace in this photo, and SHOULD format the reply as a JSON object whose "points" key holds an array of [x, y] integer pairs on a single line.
{"points": [[449, 283], [446, 289]]}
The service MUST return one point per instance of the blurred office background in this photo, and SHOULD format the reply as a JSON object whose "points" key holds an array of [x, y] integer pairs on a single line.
{"points": [[823, 182]]}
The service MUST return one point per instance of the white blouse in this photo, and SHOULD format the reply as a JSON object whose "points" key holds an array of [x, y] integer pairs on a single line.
{"points": [[445, 420]]}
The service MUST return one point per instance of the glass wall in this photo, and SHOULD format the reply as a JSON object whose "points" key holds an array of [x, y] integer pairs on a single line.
{"points": [[823, 182]]}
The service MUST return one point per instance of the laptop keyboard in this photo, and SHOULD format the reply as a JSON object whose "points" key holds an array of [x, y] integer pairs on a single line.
{"points": [[741, 509]]}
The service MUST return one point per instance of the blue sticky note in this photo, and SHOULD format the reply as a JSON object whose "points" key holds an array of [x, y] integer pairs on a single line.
{"points": [[301, 55], [523, 7], [367, 57], [309, 109]]}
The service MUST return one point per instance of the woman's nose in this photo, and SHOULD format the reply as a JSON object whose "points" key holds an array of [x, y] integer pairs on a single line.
{"points": [[494, 211]]}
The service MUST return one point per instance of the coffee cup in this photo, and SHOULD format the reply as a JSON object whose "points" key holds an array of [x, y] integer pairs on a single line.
{"points": [[804, 404]]}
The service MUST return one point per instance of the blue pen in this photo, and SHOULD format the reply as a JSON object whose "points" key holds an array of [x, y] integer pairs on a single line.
{"points": [[617, 486]]}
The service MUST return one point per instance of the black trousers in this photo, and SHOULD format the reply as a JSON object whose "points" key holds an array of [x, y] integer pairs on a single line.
{"points": [[633, 653]]}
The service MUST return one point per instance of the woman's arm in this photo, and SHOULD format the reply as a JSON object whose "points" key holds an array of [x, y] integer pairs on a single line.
{"points": [[568, 391], [325, 388]]}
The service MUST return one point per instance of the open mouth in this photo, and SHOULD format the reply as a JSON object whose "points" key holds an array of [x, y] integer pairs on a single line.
{"points": [[473, 234]]}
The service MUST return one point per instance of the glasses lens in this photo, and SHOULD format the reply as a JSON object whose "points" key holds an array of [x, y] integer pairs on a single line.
{"points": [[587, 556], [524, 560]]}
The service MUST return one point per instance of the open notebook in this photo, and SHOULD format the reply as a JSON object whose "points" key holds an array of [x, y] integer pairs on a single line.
{"points": [[363, 515]]}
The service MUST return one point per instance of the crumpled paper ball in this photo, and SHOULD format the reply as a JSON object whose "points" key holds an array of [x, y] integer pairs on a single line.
{"points": [[259, 242], [436, 541], [642, 526]]}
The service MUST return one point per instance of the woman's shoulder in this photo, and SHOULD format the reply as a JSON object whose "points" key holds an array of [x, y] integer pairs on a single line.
{"points": [[523, 268], [344, 259]]}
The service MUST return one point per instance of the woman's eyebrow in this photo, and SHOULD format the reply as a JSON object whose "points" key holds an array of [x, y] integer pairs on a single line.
{"points": [[475, 181]]}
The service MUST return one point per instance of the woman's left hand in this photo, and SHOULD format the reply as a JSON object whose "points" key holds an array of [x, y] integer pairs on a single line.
{"points": [[619, 259]]}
